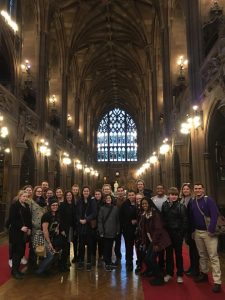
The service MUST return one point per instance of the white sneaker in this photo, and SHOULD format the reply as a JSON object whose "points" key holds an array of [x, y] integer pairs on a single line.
{"points": [[167, 277], [179, 279], [10, 263], [23, 261]]}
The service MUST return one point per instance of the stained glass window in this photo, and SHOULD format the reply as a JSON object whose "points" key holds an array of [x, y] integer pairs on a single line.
{"points": [[11, 7], [117, 137]]}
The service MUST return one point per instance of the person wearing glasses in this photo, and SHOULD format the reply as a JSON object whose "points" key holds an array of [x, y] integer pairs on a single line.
{"points": [[50, 223], [174, 215]]}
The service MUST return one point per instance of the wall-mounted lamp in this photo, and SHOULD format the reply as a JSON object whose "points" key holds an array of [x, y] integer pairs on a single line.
{"points": [[194, 121], [79, 166], [87, 169], [52, 101], [66, 159], [26, 67], [3, 129], [182, 63], [69, 118], [9, 21], [43, 147], [153, 159], [4, 132], [165, 147]]}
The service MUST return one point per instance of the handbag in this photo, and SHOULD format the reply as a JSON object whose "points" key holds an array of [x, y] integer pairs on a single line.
{"points": [[39, 243], [220, 224]]}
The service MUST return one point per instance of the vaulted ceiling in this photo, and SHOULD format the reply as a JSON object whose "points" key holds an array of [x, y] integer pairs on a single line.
{"points": [[109, 48]]}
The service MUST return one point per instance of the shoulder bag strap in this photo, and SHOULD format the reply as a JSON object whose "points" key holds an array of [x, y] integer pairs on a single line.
{"points": [[199, 208]]}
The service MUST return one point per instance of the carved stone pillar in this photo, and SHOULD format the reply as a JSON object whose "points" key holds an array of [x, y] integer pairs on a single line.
{"points": [[194, 47]]}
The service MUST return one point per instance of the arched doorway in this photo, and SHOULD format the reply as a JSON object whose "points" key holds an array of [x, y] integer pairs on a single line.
{"points": [[27, 171], [216, 144]]}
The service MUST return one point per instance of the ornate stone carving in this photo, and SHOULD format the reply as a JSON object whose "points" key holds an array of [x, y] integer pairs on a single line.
{"points": [[6, 104]]}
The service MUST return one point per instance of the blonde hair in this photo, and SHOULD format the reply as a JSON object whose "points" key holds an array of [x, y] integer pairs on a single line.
{"points": [[181, 190], [20, 193]]}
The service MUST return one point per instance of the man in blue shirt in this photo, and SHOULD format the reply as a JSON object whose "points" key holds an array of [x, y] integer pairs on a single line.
{"points": [[205, 238]]}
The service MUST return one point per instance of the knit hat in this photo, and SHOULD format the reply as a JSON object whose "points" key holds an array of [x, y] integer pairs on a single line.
{"points": [[52, 200]]}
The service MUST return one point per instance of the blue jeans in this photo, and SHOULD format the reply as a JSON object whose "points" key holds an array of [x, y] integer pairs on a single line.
{"points": [[46, 262]]}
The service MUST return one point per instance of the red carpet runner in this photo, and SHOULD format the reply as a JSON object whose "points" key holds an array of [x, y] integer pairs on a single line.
{"points": [[4, 267], [189, 290]]}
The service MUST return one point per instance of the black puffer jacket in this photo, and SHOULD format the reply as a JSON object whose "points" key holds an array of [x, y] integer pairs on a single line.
{"points": [[175, 216]]}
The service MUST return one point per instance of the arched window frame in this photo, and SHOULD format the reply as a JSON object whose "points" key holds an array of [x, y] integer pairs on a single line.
{"points": [[117, 137]]}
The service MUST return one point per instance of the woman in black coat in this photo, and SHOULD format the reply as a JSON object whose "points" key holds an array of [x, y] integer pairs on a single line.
{"points": [[128, 220], [20, 228], [67, 221], [86, 212]]}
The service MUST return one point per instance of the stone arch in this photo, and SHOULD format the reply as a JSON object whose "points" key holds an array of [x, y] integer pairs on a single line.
{"points": [[215, 145], [28, 166]]}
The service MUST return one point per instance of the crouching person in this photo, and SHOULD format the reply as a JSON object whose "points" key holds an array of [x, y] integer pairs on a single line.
{"points": [[108, 228], [50, 226]]}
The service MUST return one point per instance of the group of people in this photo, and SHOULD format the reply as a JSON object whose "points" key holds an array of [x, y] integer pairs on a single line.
{"points": [[155, 227]]}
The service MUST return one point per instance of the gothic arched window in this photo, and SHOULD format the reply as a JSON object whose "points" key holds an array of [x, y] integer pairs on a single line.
{"points": [[117, 137]]}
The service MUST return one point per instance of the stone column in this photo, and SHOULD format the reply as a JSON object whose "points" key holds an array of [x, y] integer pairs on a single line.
{"points": [[194, 47], [64, 105], [167, 93], [42, 81]]}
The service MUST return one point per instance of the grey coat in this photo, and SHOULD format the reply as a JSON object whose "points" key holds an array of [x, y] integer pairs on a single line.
{"points": [[111, 227]]}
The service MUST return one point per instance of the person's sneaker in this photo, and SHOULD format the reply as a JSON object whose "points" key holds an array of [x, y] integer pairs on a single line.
{"points": [[216, 288], [157, 281], [10, 263], [88, 267], [23, 261], [167, 278], [188, 272], [17, 275], [201, 278], [179, 279], [108, 268], [80, 265]]}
